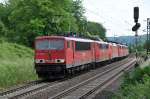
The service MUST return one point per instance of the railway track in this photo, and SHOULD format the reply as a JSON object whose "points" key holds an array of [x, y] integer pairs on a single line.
{"points": [[20, 91], [17, 88], [58, 89], [85, 88]]}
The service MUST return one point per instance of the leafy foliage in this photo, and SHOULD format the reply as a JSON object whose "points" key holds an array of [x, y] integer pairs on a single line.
{"points": [[23, 20], [136, 85], [3, 29], [96, 29]]}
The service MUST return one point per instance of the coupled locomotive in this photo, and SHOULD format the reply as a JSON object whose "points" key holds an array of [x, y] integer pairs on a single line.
{"points": [[56, 56]]}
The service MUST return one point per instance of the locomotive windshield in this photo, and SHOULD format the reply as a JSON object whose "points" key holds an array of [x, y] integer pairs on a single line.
{"points": [[49, 44]]}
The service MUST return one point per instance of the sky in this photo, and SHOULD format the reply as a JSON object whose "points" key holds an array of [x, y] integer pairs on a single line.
{"points": [[117, 15]]}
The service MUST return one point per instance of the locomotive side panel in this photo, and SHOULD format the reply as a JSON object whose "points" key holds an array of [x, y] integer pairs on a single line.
{"points": [[110, 51], [105, 52], [97, 52], [69, 54], [83, 53], [115, 51]]}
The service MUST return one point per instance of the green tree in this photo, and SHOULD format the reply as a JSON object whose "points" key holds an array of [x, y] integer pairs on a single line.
{"points": [[22, 20], [31, 18], [3, 30], [78, 12], [96, 29]]}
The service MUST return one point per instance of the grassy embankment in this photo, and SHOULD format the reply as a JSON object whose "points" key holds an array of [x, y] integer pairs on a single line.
{"points": [[16, 64], [136, 85]]}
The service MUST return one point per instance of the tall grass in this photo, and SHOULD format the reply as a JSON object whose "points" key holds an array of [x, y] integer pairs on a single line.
{"points": [[16, 65]]}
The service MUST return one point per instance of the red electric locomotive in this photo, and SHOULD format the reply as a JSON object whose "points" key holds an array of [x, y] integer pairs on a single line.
{"points": [[56, 56]]}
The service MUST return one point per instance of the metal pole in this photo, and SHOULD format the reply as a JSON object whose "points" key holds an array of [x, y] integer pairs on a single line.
{"points": [[148, 34], [147, 37], [136, 35]]}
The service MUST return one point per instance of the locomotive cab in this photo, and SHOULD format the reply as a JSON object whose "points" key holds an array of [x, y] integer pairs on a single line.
{"points": [[49, 56]]}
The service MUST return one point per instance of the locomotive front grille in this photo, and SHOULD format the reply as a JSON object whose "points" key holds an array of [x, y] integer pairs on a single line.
{"points": [[50, 67]]}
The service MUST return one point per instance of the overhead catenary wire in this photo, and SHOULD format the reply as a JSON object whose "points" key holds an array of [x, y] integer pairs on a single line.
{"points": [[110, 21], [104, 17], [120, 18]]}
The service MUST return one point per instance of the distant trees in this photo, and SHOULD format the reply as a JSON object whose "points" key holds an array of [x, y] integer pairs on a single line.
{"points": [[22, 20], [96, 29]]}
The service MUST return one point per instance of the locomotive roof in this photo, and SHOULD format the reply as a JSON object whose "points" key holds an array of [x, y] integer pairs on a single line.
{"points": [[78, 39], [122, 45], [114, 44], [101, 42], [48, 37], [67, 38]]}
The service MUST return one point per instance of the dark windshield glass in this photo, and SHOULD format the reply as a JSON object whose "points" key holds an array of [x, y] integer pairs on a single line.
{"points": [[49, 44]]}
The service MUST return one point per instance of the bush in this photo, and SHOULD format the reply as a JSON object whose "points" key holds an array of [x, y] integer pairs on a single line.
{"points": [[136, 85]]}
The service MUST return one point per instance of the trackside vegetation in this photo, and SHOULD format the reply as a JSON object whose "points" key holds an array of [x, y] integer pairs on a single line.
{"points": [[136, 85], [16, 64]]}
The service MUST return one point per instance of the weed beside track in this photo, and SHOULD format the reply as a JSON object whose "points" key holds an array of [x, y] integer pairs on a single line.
{"points": [[16, 65], [136, 85]]}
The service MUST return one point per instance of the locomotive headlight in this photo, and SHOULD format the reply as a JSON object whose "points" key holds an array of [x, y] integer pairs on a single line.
{"points": [[40, 61], [59, 61]]}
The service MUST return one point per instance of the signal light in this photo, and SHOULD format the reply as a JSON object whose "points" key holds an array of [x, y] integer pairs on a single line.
{"points": [[136, 27], [136, 14]]}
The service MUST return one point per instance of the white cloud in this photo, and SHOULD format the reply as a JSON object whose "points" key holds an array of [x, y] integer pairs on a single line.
{"points": [[117, 15]]}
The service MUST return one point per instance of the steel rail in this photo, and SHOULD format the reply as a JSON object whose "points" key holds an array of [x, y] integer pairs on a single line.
{"points": [[17, 88], [66, 92]]}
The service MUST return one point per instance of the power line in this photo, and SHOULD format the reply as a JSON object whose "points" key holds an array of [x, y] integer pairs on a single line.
{"points": [[106, 17]]}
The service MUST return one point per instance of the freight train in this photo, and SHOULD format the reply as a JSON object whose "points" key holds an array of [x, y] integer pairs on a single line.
{"points": [[58, 56]]}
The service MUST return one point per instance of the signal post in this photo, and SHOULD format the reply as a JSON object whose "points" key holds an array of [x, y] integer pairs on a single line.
{"points": [[136, 27]]}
